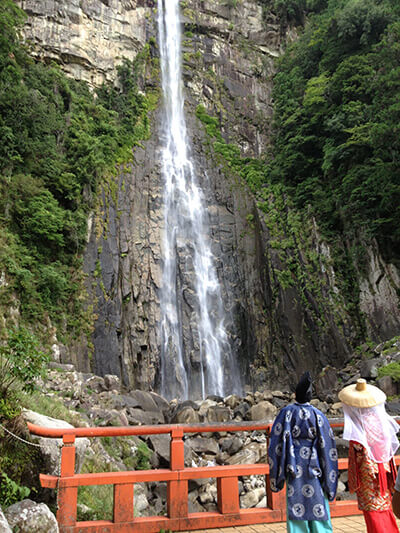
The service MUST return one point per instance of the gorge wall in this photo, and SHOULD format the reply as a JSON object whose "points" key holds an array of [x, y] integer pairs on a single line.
{"points": [[289, 311]]}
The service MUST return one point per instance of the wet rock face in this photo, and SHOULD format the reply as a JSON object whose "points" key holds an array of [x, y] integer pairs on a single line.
{"points": [[123, 260]]}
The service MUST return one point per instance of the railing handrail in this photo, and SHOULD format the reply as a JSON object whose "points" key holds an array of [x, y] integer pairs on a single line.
{"points": [[177, 477], [125, 431]]}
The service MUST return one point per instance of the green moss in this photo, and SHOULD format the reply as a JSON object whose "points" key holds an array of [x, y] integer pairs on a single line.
{"points": [[392, 370]]}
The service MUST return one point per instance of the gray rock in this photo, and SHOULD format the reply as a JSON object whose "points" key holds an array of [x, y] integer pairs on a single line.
{"points": [[112, 382], [203, 445], [263, 411], [185, 415], [145, 400], [4, 526], [30, 517], [251, 499], [369, 368], [148, 418], [51, 448], [251, 453], [232, 401], [326, 383], [140, 502], [218, 413], [388, 385]]}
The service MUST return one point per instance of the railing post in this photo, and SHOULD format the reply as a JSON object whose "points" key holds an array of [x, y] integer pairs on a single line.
{"points": [[67, 496], [275, 500], [228, 495], [177, 491], [123, 503]]}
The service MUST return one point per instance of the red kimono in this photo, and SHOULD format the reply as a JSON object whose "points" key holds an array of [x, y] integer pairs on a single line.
{"points": [[374, 484]]}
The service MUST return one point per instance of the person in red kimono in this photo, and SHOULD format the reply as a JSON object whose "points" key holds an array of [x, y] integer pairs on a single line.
{"points": [[373, 443]]}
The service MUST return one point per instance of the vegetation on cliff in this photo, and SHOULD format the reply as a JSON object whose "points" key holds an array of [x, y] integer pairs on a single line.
{"points": [[336, 139], [58, 141]]}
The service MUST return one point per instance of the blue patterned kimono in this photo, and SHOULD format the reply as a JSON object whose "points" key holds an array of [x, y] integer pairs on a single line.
{"points": [[302, 452]]}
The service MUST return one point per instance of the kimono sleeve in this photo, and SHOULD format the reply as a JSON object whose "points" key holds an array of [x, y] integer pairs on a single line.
{"points": [[328, 457], [277, 452]]}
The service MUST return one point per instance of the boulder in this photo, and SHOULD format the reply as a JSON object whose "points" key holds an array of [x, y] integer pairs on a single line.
{"points": [[208, 493], [51, 448], [31, 517], [203, 445], [4, 526], [137, 417], [140, 502], [388, 385], [241, 410], [112, 382], [232, 445], [263, 411], [161, 446], [205, 406], [218, 413], [144, 400], [232, 401], [160, 401], [369, 368], [251, 453], [95, 383], [251, 499], [185, 415]]}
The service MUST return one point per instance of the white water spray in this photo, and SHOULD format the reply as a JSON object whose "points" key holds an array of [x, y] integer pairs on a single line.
{"points": [[187, 253]]}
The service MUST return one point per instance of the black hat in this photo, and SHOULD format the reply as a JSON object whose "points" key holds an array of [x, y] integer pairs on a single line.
{"points": [[304, 388]]}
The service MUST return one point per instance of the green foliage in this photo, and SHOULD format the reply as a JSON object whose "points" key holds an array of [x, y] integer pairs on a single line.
{"points": [[249, 169], [21, 362], [58, 141], [336, 144], [10, 491], [134, 453], [392, 370]]}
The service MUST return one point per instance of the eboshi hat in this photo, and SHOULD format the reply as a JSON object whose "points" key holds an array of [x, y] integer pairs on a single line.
{"points": [[361, 394]]}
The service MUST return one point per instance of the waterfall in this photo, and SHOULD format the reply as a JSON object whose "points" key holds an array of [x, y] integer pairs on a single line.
{"points": [[189, 273]]}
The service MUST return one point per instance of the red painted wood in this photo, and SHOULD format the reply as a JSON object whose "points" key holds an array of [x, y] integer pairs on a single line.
{"points": [[123, 503], [177, 499], [67, 498], [228, 495], [177, 477]]}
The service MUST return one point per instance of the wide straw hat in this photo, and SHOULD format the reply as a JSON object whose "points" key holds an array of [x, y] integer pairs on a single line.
{"points": [[360, 394]]}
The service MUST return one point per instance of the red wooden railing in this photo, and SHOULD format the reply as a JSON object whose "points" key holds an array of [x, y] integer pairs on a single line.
{"points": [[177, 476]]}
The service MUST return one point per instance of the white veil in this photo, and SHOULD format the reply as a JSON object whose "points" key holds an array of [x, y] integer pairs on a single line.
{"points": [[374, 429]]}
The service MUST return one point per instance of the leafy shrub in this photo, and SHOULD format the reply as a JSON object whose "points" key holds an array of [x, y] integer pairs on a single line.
{"points": [[10, 491], [59, 140], [21, 362], [392, 370]]}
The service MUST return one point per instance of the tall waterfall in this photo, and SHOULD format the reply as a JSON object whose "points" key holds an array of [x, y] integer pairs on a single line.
{"points": [[205, 364]]}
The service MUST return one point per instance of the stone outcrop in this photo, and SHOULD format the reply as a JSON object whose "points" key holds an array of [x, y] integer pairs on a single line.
{"points": [[379, 300], [4, 525], [31, 517], [87, 38], [50, 448]]}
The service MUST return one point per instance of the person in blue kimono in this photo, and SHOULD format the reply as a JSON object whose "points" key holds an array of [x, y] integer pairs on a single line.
{"points": [[302, 452]]}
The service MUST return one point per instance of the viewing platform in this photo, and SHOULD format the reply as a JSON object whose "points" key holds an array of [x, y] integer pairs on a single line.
{"points": [[229, 517], [344, 524]]}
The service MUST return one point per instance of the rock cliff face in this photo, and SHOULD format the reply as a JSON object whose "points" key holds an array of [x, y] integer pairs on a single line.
{"points": [[278, 329], [88, 38]]}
